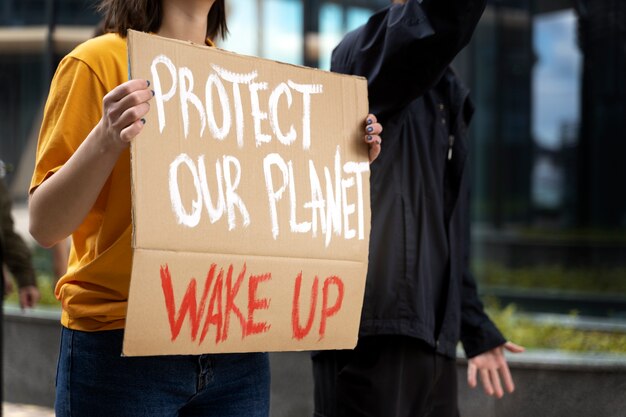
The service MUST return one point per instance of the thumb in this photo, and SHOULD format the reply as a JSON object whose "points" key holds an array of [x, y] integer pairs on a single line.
{"points": [[513, 348]]}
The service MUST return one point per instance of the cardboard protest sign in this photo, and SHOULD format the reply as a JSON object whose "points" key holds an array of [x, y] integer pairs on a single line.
{"points": [[251, 214]]}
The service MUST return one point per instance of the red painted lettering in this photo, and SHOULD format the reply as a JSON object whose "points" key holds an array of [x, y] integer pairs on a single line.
{"points": [[330, 311], [187, 306], [299, 332], [256, 304], [214, 314], [231, 294], [217, 302]]}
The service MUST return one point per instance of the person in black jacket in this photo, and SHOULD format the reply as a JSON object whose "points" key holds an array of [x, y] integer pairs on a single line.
{"points": [[420, 297]]}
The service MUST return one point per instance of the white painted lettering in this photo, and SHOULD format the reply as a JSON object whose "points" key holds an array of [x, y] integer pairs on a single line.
{"points": [[290, 137], [348, 209], [182, 216], [232, 198], [358, 168], [306, 90], [272, 194], [257, 114], [159, 97], [215, 211], [293, 223], [186, 95], [317, 203], [236, 80], [217, 132], [333, 199]]}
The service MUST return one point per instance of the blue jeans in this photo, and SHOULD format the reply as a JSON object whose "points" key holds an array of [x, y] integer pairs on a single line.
{"points": [[94, 380]]}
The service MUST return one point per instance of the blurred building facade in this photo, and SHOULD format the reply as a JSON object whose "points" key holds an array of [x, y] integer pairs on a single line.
{"points": [[548, 80], [601, 171]]}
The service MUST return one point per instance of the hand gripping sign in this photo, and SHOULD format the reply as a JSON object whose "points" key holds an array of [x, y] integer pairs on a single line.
{"points": [[250, 190]]}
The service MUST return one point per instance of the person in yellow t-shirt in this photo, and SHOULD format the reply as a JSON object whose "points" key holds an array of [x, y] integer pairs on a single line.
{"points": [[81, 187]]}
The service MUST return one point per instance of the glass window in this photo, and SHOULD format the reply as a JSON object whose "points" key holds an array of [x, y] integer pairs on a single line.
{"points": [[356, 17], [331, 31], [26, 66], [23, 12], [280, 34], [283, 31], [243, 27], [35, 12], [21, 86], [556, 77], [335, 21], [549, 221], [555, 104]]}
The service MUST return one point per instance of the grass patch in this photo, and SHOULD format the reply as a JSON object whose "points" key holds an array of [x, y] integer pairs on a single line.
{"points": [[44, 282], [592, 236], [524, 331], [593, 280], [42, 262]]}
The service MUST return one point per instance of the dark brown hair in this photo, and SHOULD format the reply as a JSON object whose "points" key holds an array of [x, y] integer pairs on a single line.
{"points": [[146, 16]]}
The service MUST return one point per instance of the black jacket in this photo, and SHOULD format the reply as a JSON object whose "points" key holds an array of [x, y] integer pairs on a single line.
{"points": [[418, 282]]}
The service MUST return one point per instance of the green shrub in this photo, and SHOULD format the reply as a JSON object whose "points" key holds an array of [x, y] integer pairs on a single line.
{"points": [[522, 330], [595, 280], [42, 262], [46, 289]]}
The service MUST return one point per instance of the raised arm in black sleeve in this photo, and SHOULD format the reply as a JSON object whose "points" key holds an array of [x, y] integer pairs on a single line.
{"points": [[403, 49]]}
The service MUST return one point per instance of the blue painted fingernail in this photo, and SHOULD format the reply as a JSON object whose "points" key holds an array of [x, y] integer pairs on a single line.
{"points": [[152, 93], [369, 121], [370, 129], [148, 81], [369, 138], [143, 120]]}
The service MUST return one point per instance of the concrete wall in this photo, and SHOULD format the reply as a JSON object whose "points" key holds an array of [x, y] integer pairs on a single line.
{"points": [[554, 384], [549, 384], [30, 352]]}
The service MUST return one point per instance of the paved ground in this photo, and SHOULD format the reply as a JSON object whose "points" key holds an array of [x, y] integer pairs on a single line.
{"points": [[22, 410]]}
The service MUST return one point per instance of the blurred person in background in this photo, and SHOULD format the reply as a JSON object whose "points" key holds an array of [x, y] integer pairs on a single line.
{"points": [[16, 255]]}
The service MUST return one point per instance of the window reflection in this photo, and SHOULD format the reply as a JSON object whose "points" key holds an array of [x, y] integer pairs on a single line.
{"points": [[549, 221], [335, 21]]}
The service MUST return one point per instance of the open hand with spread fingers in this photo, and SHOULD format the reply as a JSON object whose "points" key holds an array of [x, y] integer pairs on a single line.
{"points": [[493, 370]]}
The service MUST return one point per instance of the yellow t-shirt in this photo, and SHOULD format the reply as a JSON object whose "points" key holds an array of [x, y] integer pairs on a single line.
{"points": [[94, 292]]}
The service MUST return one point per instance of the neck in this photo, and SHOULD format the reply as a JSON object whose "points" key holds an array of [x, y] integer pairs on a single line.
{"points": [[185, 20]]}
